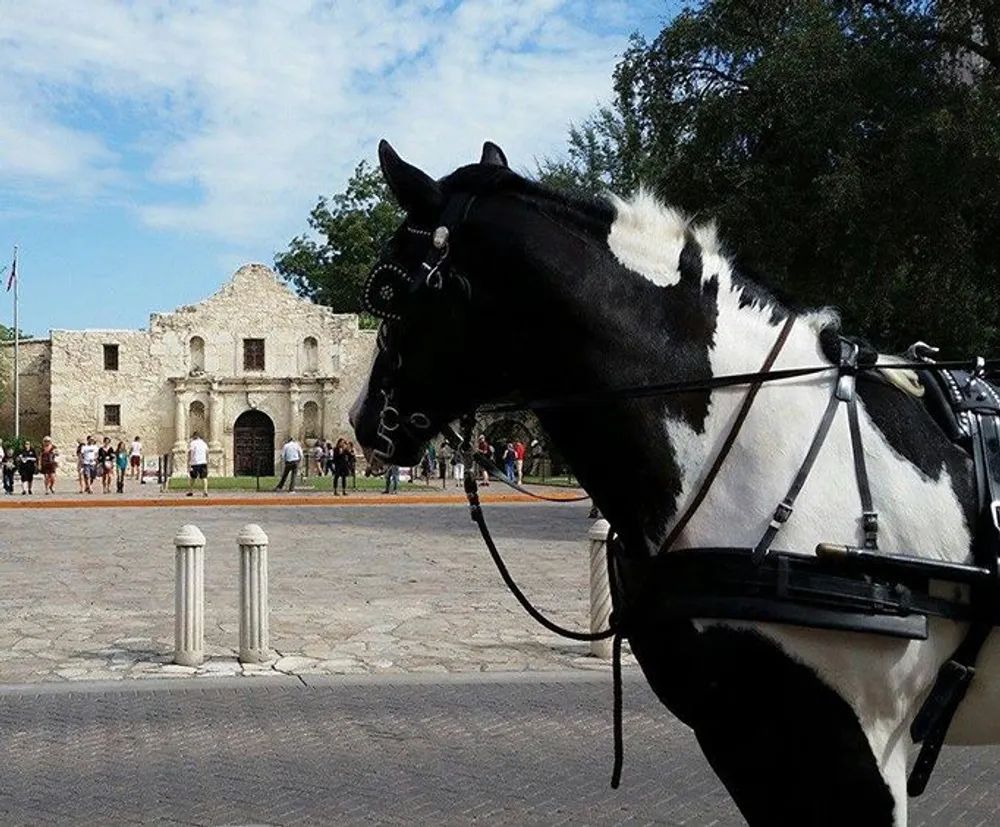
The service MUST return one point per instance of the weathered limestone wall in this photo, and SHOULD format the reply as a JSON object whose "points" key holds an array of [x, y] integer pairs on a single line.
{"points": [[187, 372], [81, 388], [313, 357], [33, 357]]}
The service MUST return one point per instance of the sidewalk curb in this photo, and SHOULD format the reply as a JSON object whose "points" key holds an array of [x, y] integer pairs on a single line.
{"points": [[267, 499], [133, 686]]}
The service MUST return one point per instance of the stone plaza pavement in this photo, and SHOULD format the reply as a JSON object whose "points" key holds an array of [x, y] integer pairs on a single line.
{"points": [[407, 686], [356, 585]]}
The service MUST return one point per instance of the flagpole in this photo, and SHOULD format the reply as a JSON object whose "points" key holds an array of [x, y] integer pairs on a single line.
{"points": [[17, 378]]}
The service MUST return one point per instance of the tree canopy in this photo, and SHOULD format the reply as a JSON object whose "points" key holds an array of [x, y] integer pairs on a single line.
{"points": [[850, 152], [848, 149], [352, 228]]}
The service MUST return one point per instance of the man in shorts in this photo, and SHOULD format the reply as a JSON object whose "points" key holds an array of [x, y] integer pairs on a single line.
{"points": [[135, 459], [198, 462], [88, 463]]}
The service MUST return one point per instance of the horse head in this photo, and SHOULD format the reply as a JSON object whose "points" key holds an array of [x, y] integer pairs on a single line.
{"points": [[496, 287], [436, 350]]}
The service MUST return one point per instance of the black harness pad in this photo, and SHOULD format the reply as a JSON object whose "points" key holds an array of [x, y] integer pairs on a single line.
{"points": [[953, 397]]}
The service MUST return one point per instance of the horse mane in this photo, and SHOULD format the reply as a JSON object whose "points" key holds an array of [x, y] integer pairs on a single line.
{"points": [[651, 222]]}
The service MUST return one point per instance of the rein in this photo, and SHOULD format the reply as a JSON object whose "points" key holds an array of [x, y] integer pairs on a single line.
{"points": [[984, 366]]}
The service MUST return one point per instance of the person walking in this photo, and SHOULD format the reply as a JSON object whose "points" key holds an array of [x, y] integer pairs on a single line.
{"points": [[483, 447], [106, 464], [79, 464], [9, 467], [122, 459], [27, 463], [442, 459], [352, 464], [88, 463], [318, 452], [48, 464], [198, 463], [519, 452], [509, 460], [135, 459], [291, 456], [391, 479], [341, 466]]}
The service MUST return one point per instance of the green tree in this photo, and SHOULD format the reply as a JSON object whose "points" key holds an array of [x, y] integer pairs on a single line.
{"points": [[349, 230], [593, 163], [849, 150]]}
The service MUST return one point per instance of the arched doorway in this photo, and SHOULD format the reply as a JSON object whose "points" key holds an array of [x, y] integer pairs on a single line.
{"points": [[253, 445]]}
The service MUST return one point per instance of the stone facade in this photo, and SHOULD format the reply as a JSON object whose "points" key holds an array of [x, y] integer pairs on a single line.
{"points": [[34, 358], [246, 367]]}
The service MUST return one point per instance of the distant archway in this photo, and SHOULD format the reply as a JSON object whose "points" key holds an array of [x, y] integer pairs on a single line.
{"points": [[253, 445]]}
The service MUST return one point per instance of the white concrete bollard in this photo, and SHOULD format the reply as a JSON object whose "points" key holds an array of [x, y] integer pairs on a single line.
{"points": [[600, 591], [189, 596], [254, 646]]}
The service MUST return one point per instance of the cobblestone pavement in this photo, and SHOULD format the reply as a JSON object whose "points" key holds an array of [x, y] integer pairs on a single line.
{"points": [[514, 749], [88, 593]]}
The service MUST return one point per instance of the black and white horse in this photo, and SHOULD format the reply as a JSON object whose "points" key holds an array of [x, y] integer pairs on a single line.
{"points": [[804, 726]]}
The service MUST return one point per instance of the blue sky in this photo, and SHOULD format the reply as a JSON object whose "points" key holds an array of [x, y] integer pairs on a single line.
{"points": [[147, 149]]}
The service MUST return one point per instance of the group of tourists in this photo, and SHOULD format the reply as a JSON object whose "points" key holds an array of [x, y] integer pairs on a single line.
{"points": [[339, 460], [108, 462], [25, 462], [508, 457]]}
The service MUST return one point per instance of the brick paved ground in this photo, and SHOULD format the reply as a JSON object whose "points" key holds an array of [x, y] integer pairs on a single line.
{"points": [[511, 750]]}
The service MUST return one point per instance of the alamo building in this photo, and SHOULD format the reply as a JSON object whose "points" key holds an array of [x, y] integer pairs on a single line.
{"points": [[247, 367]]}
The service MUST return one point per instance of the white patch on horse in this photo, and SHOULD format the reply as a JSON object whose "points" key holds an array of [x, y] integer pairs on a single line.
{"points": [[647, 237], [926, 517]]}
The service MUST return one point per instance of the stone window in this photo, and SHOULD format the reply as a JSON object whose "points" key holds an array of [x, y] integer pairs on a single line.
{"points": [[113, 416], [310, 420], [197, 421], [253, 354], [111, 357], [197, 345], [310, 353]]}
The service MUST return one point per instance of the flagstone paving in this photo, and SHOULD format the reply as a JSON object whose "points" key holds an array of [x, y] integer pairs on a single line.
{"points": [[89, 592]]}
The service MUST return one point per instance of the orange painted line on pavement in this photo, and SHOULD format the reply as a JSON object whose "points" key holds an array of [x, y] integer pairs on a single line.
{"points": [[267, 500]]}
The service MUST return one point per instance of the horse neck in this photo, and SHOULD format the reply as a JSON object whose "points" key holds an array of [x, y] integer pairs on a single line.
{"points": [[643, 460]]}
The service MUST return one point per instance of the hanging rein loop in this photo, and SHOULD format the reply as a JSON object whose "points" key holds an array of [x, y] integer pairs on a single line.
{"points": [[616, 629], [463, 444]]}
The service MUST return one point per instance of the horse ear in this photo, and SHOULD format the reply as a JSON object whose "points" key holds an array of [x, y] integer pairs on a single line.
{"points": [[493, 156], [414, 189]]}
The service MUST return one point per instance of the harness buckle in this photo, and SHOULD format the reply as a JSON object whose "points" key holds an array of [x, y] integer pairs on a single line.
{"points": [[782, 513], [869, 524], [995, 511], [846, 369]]}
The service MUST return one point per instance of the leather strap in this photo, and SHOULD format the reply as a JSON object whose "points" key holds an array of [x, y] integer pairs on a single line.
{"points": [[843, 393], [730, 440]]}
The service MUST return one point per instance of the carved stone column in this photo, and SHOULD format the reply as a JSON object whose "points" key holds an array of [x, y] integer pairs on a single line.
{"points": [[330, 423], [294, 414], [180, 429], [216, 414], [215, 417]]}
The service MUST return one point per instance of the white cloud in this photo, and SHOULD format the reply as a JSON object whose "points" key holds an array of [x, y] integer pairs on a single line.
{"points": [[229, 119]]}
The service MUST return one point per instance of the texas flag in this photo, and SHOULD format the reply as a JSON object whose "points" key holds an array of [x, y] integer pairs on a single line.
{"points": [[13, 274]]}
